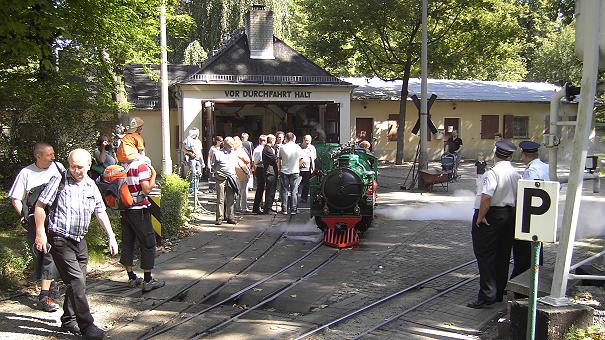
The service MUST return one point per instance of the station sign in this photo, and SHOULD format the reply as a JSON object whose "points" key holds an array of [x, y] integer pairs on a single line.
{"points": [[537, 210]]}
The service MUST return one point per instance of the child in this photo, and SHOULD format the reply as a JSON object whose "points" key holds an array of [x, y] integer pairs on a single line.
{"points": [[132, 145], [480, 164]]}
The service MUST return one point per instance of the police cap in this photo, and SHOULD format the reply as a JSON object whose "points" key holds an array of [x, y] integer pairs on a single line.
{"points": [[529, 146], [505, 149]]}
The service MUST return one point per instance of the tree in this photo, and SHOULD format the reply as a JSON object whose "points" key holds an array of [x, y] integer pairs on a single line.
{"points": [[215, 19], [194, 53], [61, 68], [467, 39], [555, 60]]}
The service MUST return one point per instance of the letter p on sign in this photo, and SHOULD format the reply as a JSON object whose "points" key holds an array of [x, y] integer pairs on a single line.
{"points": [[537, 210]]}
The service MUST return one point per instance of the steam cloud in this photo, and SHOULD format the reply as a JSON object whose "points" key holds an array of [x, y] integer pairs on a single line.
{"points": [[458, 210]]}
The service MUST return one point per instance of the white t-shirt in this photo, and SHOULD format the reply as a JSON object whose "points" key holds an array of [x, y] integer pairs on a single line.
{"points": [[290, 154], [31, 176], [257, 155], [195, 145], [309, 154], [501, 184]]}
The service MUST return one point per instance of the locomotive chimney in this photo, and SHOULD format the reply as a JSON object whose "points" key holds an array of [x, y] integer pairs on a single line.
{"points": [[259, 30]]}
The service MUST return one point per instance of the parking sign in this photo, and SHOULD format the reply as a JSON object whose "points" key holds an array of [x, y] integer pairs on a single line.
{"points": [[537, 210]]}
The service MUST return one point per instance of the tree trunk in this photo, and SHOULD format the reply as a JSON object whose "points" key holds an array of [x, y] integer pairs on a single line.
{"points": [[119, 92], [402, 110]]}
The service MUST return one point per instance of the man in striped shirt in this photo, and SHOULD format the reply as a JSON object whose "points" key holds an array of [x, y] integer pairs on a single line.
{"points": [[136, 225], [72, 198]]}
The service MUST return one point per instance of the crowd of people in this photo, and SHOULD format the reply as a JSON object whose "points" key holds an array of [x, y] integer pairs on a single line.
{"points": [[277, 164]]}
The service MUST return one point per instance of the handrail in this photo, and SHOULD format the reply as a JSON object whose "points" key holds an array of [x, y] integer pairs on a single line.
{"points": [[261, 78]]}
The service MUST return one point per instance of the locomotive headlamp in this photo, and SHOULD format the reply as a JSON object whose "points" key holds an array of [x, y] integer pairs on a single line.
{"points": [[356, 210]]}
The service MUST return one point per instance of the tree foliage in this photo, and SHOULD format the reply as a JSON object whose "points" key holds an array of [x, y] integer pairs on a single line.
{"points": [[467, 39], [215, 19], [555, 60], [194, 53], [61, 68]]}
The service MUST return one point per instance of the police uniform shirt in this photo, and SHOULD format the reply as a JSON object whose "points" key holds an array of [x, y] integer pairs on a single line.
{"points": [[501, 184], [536, 169]]}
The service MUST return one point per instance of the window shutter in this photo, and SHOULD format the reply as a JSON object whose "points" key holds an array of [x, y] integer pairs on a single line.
{"points": [[508, 126], [489, 126]]}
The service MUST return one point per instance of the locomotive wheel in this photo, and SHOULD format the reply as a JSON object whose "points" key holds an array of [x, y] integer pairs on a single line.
{"points": [[320, 224], [364, 224]]}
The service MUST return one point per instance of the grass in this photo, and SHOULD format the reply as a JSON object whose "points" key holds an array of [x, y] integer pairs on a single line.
{"points": [[590, 333]]}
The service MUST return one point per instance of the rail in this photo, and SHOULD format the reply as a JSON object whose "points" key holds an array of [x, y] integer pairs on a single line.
{"points": [[386, 298], [273, 79], [232, 296]]}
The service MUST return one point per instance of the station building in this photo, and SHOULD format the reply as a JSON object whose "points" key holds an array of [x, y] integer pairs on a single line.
{"points": [[256, 83]]}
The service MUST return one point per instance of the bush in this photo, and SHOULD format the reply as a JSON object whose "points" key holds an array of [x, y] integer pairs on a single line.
{"points": [[174, 205], [14, 258], [590, 333], [97, 239]]}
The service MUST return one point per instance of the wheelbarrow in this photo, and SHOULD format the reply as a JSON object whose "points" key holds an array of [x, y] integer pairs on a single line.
{"points": [[432, 177]]}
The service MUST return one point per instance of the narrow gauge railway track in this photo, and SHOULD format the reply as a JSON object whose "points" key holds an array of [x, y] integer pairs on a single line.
{"points": [[184, 290], [395, 295], [191, 284], [272, 296]]}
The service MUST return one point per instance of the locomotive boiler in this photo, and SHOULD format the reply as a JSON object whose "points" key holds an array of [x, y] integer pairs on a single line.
{"points": [[343, 192]]}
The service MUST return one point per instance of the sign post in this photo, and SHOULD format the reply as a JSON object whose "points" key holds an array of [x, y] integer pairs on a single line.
{"points": [[536, 221]]}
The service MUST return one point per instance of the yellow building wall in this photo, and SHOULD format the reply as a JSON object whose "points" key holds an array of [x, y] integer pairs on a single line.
{"points": [[469, 114], [152, 134]]}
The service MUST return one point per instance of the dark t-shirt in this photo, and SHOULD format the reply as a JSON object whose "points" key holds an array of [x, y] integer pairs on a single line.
{"points": [[454, 144], [481, 165]]}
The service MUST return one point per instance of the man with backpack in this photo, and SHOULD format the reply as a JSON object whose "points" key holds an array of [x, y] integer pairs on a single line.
{"points": [[27, 186], [136, 225], [72, 197]]}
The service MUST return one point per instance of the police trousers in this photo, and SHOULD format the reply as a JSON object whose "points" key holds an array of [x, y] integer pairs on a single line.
{"points": [[492, 245]]}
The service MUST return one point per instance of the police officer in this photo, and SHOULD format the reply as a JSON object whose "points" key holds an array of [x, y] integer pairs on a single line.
{"points": [[493, 226], [535, 169]]}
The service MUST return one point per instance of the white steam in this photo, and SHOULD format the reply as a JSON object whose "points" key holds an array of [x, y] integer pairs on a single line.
{"points": [[460, 209]]}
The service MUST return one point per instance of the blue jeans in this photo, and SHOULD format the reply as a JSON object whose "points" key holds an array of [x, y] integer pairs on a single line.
{"points": [[289, 190], [196, 167]]}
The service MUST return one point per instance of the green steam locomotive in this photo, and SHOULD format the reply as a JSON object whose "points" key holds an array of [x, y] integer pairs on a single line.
{"points": [[343, 192]]}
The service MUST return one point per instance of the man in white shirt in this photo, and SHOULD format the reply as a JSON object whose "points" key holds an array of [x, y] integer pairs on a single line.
{"points": [[289, 157], [536, 169], [307, 165], [259, 173], [494, 225], [34, 175]]}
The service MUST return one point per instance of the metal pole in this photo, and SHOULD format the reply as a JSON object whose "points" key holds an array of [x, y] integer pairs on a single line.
{"points": [[166, 160], [423, 156], [553, 133], [533, 293], [590, 14]]}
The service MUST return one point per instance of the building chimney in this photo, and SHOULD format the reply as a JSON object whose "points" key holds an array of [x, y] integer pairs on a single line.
{"points": [[259, 30]]}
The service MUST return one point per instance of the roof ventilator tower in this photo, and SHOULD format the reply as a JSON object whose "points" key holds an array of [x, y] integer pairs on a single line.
{"points": [[259, 30]]}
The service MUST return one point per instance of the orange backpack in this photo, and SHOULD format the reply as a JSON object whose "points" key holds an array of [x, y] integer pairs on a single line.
{"points": [[114, 188]]}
